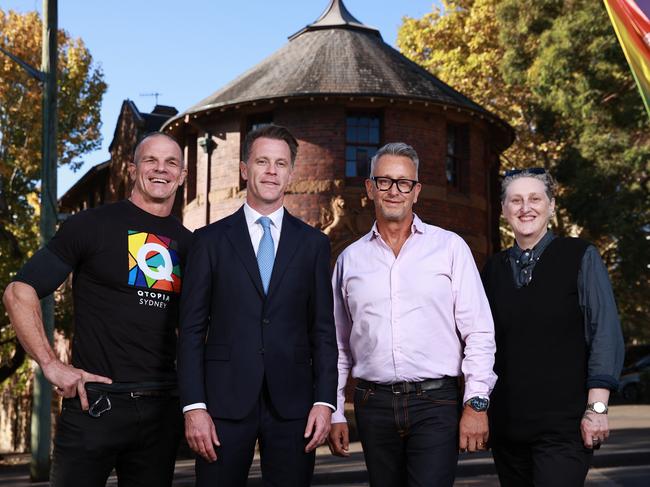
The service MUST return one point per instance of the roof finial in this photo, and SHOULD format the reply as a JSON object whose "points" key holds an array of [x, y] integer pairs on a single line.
{"points": [[336, 15]]}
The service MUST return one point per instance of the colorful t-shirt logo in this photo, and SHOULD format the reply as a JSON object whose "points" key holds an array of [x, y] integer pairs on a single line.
{"points": [[153, 262]]}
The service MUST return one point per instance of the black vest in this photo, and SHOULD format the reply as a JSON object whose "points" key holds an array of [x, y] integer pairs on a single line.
{"points": [[541, 357]]}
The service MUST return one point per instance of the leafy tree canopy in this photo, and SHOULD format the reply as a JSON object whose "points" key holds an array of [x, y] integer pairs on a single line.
{"points": [[80, 90], [554, 70]]}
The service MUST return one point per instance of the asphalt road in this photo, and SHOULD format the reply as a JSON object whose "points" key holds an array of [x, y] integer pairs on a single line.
{"points": [[622, 461]]}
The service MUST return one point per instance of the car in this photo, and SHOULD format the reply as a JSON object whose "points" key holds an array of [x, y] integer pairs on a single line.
{"points": [[629, 387], [634, 353]]}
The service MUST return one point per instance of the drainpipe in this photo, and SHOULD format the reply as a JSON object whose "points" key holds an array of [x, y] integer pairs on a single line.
{"points": [[208, 145]]}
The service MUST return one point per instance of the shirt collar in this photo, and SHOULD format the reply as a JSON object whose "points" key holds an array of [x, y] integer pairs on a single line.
{"points": [[516, 251], [416, 227], [253, 215]]}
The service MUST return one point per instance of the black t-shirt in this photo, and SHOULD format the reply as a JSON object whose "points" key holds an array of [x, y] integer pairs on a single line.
{"points": [[126, 286]]}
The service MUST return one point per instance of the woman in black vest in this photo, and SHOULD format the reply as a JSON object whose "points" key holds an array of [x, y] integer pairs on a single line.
{"points": [[559, 343]]}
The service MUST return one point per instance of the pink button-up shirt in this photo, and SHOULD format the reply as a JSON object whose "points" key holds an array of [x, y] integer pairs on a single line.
{"points": [[420, 315]]}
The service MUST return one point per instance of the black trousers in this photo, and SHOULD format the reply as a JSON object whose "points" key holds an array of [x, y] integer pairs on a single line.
{"points": [[282, 444], [549, 461], [409, 439], [138, 437]]}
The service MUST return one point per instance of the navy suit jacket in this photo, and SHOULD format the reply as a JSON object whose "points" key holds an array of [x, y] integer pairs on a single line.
{"points": [[232, 336]]}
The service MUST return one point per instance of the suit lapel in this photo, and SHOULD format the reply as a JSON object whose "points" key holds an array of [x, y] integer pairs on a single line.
{"points": [[289, 239], [241, 241]]}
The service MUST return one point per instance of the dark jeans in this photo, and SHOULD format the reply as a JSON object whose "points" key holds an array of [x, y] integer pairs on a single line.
{"points": [[550, 461], [137, 436], [283, 460], [409, 439]]}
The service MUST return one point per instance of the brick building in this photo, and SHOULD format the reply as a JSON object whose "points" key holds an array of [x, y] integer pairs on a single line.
{"points": [[344, 92]]}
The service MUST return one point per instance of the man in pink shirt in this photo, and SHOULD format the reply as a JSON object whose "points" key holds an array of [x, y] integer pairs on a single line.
{"points": [[411, 320]]}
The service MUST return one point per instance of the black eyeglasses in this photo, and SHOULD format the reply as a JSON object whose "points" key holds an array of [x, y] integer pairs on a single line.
{"points": [[527, 170], [403, 185]]}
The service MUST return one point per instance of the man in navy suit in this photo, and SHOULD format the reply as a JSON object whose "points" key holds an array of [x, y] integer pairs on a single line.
{"points": [[257, 353]]}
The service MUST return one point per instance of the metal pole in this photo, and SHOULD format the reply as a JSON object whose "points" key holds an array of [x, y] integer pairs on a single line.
{"points": [[42, 398]]}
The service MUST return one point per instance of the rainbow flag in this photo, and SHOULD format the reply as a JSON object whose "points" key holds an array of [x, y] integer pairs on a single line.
{"points": [[633, 30]]}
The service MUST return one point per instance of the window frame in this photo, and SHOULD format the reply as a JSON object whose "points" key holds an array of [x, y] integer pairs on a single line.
{"points": [[459, 156], [358, 179]]}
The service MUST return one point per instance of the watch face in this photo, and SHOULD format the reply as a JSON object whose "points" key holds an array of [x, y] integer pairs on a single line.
{"points": [[479, 404], [599, 407]]}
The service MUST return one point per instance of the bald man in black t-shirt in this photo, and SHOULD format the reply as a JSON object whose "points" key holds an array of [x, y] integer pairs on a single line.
{"points": [[120, 401]]}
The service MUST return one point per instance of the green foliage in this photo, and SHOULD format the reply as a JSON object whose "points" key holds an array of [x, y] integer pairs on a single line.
{"points": [[554, 70], [80, 91]]}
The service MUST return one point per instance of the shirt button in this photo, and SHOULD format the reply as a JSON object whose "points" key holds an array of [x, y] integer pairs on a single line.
{"points": [[261, 351], [266, 321]]}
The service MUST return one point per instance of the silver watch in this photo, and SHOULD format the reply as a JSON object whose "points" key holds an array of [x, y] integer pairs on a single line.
{"points": [[597, 407]]}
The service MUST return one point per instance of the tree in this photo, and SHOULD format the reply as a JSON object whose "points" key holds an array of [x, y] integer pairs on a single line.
{"points": [[554, 70], [80, 92]]}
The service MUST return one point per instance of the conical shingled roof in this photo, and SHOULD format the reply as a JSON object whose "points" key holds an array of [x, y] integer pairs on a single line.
{"points": [[337, 55]]}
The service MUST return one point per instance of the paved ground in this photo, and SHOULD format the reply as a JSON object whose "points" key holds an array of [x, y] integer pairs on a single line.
{"points": [[623, 461], [601, 477]]}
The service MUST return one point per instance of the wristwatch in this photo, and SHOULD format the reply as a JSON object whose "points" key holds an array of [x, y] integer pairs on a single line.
{"points": [[597, 407], [478, 404]]}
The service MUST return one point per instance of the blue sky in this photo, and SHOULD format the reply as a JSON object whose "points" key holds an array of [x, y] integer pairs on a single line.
{"points": [[187, 50]]}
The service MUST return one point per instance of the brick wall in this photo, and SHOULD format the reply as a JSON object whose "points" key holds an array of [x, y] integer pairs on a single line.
{"points": [[320, 166]]}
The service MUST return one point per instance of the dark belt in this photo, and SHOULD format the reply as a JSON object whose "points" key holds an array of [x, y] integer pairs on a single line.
{"points": [[406, 387], [125, 389], [142, 389], [168, 393]]}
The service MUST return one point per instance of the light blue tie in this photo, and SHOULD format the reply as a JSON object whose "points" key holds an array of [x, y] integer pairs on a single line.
{"points": [[266, 253]]}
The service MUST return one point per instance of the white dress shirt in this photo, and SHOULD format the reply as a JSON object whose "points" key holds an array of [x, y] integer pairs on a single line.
{"points": [[255, 229]]}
